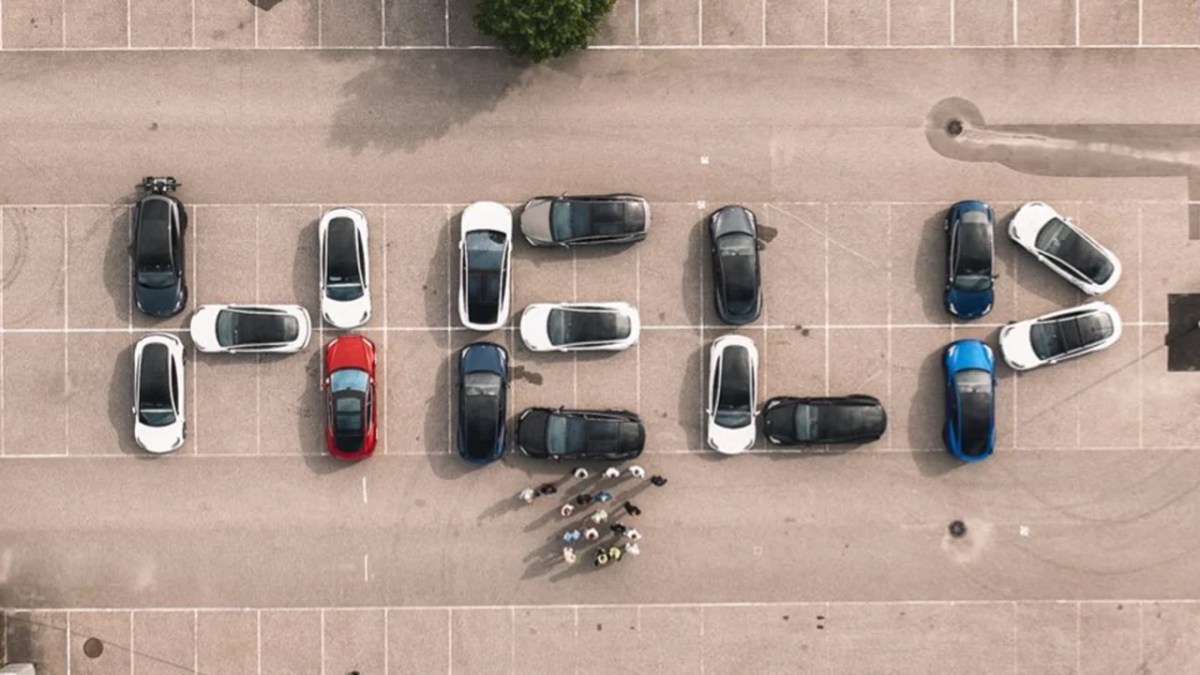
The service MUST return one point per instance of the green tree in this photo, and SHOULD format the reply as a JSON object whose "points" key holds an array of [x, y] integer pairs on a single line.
{"points": [[541, 29]]}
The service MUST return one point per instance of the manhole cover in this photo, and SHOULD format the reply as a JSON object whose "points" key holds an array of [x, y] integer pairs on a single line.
{"points": [[954, 127], [957, 529], [93, 648]]}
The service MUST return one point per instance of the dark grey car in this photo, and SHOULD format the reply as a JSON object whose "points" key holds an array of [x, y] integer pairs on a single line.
{"points": [[584, 220], [159, 221], [737, 272]]}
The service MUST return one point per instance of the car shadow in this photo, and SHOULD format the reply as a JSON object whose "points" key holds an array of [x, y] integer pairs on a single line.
{"points": [[438, 433], [306, 272], [120, 404], [691, 399], [118, 260], [378, 110], [931, 389], [929, 269], [697, 259], [439, 278]]}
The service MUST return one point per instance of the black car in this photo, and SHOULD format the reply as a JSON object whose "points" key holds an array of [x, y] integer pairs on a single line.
{"points": [[482, 402], [585, 220], [789, 420], [547, 433], [159, 221], [737, 273]]}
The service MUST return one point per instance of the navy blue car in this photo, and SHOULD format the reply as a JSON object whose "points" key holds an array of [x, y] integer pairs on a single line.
{"points": [[482, 402], [970, 432], [969, 253]]}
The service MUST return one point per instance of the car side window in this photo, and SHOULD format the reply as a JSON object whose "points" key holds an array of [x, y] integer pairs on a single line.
{"points": [[174, 385], [716, 388]]}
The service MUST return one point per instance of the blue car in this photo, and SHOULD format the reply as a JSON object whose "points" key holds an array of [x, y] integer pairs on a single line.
{"points": [[482, 402], [969, 253], [970, 432]]}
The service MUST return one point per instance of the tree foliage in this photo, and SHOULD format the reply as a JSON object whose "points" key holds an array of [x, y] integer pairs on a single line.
{"points": [[541, 29]]}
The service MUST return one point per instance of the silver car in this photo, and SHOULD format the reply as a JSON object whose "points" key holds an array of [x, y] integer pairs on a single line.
{"points": [[585, 220]]}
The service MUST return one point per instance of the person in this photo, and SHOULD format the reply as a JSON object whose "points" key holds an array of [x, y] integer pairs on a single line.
{"points": [[571, 536], [631, 548], [547, 489], [569, 555], [637, 472], [658, 481], [599, 516], [632, 534], [566, 510], [591, 534], [601, 558], [612, 472], [584, 499], [527, 495], [581, 473], [614, 553], [603, 497], [632, 510], [618, 528]]}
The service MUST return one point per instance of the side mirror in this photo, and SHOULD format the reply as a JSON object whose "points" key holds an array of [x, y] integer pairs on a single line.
{"points": [[760, 244], [133, 409]]}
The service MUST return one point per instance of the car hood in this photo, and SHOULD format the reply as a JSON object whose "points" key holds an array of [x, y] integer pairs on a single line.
{"points": [[531, 433], [159, 440], [729, 220], [965, 354], [347, 313], [160, 302], [203, 328], [352, 353], [534, 327], [483, 357], [1028, 221], [967, 304], [535, 220], [1016, 347], [731, 441]]}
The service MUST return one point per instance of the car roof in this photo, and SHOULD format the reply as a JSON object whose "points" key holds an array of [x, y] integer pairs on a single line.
{"points": [[155, 375], [341, 239], [264, 326]]}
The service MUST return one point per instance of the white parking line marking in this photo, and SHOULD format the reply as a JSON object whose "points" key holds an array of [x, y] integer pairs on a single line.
{"points": [[825, 235], [68, 642], [132, 647], [452, 268], [446, 22], [1076, 23], [66, 338], [322, 642], [386, 647], [1015, 22], [450, 640], [129, 25], [2, 271], [366, 567], [258, 633], [364, 489], [952, 27], [195, 641]]}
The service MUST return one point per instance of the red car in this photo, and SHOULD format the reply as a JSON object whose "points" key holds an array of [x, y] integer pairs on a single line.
{"points": [[349, 386]]}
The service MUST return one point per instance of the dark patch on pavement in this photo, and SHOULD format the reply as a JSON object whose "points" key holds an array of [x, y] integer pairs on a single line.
{"points": [[265, 5], [958, 529], [522, 373], [1183, 333], [955, 129], [154, 126], [767, 234], [93, 648]]}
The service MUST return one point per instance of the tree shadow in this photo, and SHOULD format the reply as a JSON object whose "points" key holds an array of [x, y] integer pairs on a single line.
{"points": [[380, 111]]}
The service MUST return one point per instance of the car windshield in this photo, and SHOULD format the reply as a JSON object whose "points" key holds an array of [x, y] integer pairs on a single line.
{"points": [[737, 253], [484, 274], [975, 409], [734, 405], [156, 405], [575, 326], [343, 278], [243, 328], [568, 220], [1061, 241], [973, 268], [1070, 334], [565, 435]]}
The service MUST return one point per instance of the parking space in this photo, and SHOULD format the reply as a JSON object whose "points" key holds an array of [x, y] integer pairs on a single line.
{"points": [[1057, 636], [242, 24], [829, 325]]}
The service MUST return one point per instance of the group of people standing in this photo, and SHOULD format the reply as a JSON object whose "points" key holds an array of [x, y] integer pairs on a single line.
{"points": [[614, 540]]}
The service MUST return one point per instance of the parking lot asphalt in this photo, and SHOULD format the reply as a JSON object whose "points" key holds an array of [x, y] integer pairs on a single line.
{"points": [[1089, 499]]}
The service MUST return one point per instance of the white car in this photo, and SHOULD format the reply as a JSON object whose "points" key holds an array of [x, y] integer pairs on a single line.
{"points": [[732, 394], [485, 257], [345, 268], [1064, 248], [158, 394], [580, 326], [1060, 335], [278, 329]]}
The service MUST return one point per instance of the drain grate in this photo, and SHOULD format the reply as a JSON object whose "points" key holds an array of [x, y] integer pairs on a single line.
{"points": [[958, 529], [93, 648]]}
